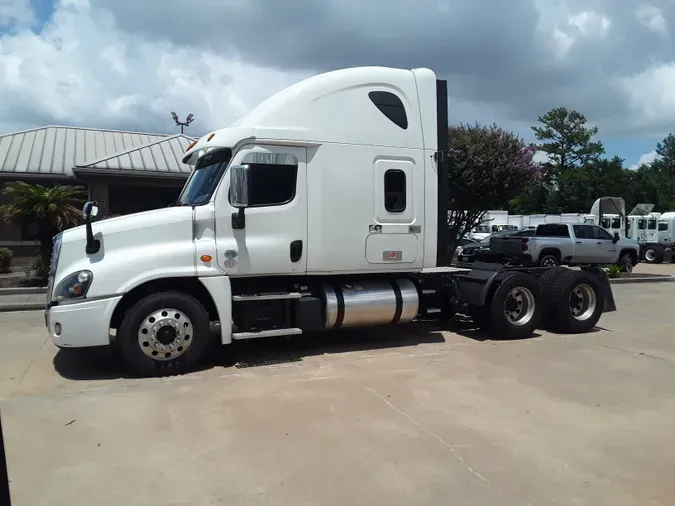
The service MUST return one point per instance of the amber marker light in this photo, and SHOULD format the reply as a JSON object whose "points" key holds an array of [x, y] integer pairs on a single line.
{"points": [[210, 137], [206, 258], [191, 145]]}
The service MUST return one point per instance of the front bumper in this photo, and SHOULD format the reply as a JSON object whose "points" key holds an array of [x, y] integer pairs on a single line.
{"points": [[82, 324]]}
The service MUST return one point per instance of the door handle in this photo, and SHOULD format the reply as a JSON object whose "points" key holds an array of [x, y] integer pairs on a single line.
{"points": [[296, 251], [579, 243], [599, 244]]}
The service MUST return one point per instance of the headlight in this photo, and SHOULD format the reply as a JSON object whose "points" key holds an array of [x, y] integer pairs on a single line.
{"points": [[74, 286]]}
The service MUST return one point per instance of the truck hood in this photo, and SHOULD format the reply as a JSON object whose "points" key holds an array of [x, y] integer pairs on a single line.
{"points": [[130, 222]]}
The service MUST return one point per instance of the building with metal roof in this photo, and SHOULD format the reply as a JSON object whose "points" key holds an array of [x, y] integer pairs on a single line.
{"points": [[124, 171]]}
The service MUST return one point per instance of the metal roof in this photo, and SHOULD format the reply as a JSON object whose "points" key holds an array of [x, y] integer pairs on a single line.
{"points": [[162, 156], [56, 150]]}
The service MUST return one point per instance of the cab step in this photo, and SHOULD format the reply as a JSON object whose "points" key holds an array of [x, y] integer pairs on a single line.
{"points": [[266, 333], [266, 296]]}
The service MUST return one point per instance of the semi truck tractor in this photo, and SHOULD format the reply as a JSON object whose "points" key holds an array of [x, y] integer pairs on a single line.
{"points": [[324, 207]]}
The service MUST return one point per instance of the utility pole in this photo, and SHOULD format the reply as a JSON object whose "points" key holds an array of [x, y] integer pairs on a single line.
{"points": [[183, 124]]}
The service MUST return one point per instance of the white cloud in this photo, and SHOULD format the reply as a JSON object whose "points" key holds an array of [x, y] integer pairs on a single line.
{"points": [[541, 157], [645, 159], [651, 95], [16, 14], [652, 18], [82, 70]]}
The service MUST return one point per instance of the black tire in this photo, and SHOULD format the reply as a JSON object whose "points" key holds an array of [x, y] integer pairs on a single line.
{"points": [[653, 255], [545, 280], [549, 260], [187, 357], [626, 262], [481, 317], [559, 301], [527, 299]]}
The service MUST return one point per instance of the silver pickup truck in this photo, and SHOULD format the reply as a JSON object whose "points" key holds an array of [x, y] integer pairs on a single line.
{"points": [[569, 244]]}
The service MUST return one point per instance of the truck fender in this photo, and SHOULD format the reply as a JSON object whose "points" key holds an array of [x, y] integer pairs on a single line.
{"points": [[475, 285], [221, 292]]}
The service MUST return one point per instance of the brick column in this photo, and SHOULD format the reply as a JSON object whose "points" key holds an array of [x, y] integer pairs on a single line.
{"points": [[98, 191]]}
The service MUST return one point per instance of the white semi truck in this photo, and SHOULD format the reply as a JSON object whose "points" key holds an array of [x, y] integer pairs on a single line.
{"points": [[324, 207]]}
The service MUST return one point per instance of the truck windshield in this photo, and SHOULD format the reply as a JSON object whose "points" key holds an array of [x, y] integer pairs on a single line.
{"points": [[208, 172]]}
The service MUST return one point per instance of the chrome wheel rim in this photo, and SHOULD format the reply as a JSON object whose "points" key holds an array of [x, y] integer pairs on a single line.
{"points": [[519, 306], [650, 255], [549, 262], [582, 302], [628, 263], [165, 334]]}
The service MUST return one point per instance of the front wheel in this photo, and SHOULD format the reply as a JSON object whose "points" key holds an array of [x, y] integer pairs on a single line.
{"points": [[626, 263], [163, 334], [653, 255]]}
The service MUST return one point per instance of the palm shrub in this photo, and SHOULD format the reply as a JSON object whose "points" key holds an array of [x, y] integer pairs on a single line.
{"points": [[51, 209]]}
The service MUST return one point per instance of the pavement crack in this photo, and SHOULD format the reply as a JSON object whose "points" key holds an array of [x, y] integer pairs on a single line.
{"points": [[432, 434], [632, 352], [37, 354]]}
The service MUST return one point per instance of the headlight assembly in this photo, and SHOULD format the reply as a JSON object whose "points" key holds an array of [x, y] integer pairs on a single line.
{"points": [[74, 286]]}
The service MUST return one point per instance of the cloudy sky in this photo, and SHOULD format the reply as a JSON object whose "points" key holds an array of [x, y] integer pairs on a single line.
{"points": [[125, 64]]}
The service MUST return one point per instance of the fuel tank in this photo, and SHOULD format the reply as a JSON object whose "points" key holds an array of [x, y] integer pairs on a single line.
{"points": [[378, 302]]}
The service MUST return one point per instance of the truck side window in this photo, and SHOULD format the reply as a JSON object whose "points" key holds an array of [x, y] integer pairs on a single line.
{"points": [[552, 230], [642, 224], [394, 191], [391, 106], [663, 226], [616, 222], [274, 177], [651, 225], [601, 233], [604, 222], [580, 231]]}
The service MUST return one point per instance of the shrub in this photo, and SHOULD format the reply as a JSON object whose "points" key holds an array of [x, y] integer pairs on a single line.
{"points": [[5, 260], [38, 269], [614, 271]]}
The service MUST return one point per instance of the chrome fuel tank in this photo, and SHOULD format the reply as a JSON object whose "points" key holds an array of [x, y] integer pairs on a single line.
{"points": [[370, 303]]}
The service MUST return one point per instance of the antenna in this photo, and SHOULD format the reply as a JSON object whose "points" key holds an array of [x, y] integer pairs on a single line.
{"points": [[182, 124]]}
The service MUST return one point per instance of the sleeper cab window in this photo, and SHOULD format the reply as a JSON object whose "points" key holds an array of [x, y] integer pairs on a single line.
{"points": [[391, 106], [274, 177], [394, 191]]}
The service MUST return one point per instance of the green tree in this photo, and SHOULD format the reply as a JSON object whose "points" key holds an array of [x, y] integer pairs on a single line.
{"points": [[50, 209], [488, 167], [564, 136], [566, 139]]}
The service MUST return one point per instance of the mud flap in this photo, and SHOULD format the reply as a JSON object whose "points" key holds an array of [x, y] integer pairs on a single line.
{"points": [[601, 275]]}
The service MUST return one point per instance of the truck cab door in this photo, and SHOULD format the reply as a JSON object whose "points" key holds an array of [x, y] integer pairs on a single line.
{"points": [[606, 250], [584, 243], [273, 239]]}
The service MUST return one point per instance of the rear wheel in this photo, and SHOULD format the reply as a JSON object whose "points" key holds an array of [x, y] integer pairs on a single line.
{"points": [[575, 302], [163, 334], [548, 260], [513, 311]]}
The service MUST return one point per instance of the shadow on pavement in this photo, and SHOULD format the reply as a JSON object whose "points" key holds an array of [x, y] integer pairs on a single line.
{"points": [[101, 364]]}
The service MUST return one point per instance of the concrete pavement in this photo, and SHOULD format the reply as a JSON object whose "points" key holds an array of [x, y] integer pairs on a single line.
{"points": [[390, 417]]}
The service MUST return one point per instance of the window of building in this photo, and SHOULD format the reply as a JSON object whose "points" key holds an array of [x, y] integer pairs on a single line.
{"points": [[394, 191], [651, 225], [273, 178], [663, 226], [391, 106]]}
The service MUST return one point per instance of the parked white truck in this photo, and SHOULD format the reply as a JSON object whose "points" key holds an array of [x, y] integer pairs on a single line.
{"points": [[323, 207]]}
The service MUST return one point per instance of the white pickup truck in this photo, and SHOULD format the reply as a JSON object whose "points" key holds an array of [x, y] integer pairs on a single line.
{"points": [[570, 244]]}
